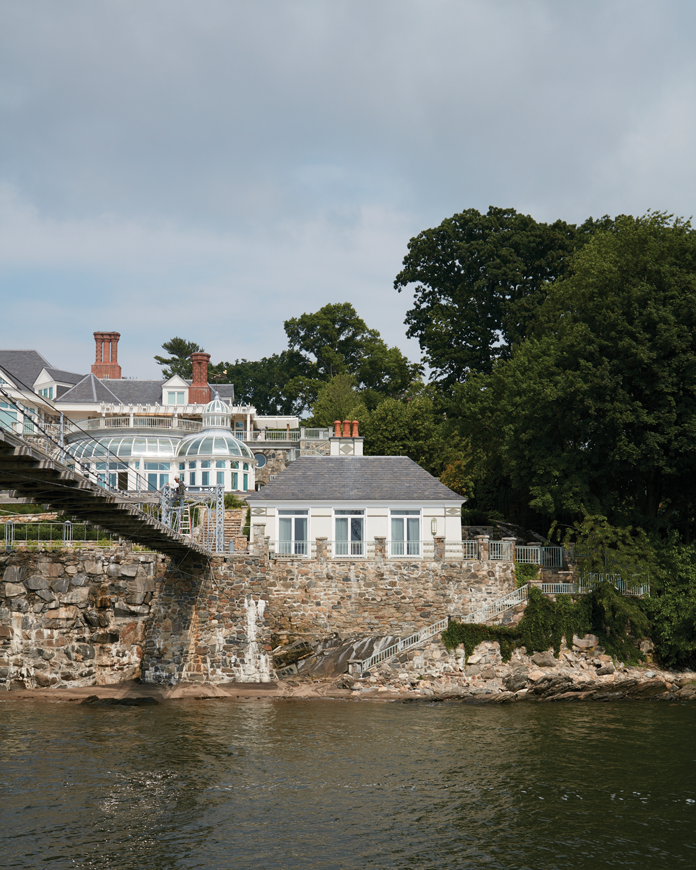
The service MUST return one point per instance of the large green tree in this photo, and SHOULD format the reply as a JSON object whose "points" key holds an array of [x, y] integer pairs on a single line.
{"points": [[335, 340], [413, 428], [479, 280], [596, 410]]}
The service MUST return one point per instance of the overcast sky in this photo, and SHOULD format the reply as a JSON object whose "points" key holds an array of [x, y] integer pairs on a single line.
{"points": [[209, 169]]}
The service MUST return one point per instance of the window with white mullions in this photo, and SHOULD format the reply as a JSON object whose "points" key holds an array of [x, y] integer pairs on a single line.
{"points": [[350, 533], [292, 533], [405, 533]]}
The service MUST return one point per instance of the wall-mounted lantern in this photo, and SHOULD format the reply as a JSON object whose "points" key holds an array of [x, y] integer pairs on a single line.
{"points": [[433, 526]]}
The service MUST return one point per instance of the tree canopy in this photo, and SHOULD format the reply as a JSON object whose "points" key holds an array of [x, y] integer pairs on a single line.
{"points": [[479, 281], [329, 342], [595, 412]]}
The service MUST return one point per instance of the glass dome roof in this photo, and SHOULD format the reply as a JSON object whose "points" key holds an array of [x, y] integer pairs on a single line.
{"points": [[124, 446], [216, 415], [214, 443]]}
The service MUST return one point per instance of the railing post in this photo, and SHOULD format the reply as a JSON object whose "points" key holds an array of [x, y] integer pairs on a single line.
{"points": [[380, 549], [510, 549], [219, 519], [483, 548], [321, 549], [439, 548], [258, 534]]}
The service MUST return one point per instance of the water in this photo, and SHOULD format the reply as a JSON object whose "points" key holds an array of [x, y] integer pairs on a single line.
{"points": [[272, 784]]}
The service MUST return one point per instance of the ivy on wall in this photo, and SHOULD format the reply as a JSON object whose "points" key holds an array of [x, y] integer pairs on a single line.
{"points": [[616, 620]]}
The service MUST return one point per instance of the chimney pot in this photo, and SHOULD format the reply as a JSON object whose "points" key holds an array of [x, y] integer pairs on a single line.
{"points": [[355, 428], [337, 428], [346, 428]]}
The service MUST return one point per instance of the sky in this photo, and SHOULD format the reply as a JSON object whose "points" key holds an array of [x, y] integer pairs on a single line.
{"points": [[210, 169]]}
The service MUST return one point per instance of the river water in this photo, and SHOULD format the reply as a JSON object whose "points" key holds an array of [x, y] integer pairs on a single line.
{"points": [[322, 784]]}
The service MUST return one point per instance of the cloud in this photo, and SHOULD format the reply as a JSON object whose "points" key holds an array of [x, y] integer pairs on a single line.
{"points": [[211, 169]]}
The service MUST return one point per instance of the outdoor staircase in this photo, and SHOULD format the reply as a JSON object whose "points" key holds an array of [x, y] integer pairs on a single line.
{"points": [[483, 614]]}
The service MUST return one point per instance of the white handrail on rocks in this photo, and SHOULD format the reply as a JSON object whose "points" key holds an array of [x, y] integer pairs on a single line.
{"points": [[483, 614], [405, 644]]}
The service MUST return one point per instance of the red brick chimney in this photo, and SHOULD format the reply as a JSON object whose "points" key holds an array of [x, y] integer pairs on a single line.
{"points": [[199, 391], [106, 362]]}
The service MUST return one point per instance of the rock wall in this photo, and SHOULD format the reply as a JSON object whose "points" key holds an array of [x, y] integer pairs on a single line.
{"points": [[312, 599], [74, 617], [84, 617]]}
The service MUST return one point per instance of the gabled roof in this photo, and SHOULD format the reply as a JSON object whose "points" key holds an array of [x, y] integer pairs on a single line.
{"points": [[355, 478], [24, 366], [89, 390], [63, 377]]}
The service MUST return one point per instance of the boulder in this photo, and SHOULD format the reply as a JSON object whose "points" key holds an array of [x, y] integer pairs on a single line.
{"points": [[545, 660], [589, 641], [607, 668], [515, 681]]}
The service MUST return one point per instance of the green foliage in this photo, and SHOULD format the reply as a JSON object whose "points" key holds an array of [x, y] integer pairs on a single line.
{"points": [[178, 362], [595, 412], [334, 341], [233, 501], [525, 573], [672, 604], [616, 620], [338, 400], [263, 383], [413, 428], [18, 509], [479, 279], [246, 530]]}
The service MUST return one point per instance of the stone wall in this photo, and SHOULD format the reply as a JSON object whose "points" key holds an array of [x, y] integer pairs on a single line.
{"points": [[312, 599], [92, 617], [74, 617]]}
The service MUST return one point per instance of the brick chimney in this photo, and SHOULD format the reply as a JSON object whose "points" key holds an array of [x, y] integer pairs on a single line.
{"points": [[199, 391], [106, 362]]}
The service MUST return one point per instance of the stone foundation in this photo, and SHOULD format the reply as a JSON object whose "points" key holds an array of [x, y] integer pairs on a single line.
{"points": [[74, 617]]}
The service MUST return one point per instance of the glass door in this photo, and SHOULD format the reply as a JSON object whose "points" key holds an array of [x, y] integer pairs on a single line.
{"points": [[350, 533], [405, 533], [292, 533]]}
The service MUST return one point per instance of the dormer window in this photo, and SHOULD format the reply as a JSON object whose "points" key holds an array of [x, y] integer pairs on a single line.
{"points": [[175, 398]]}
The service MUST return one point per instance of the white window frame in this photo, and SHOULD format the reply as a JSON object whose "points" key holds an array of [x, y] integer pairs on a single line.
{"points": [[293, 546], [406, 547], [347, 549]]}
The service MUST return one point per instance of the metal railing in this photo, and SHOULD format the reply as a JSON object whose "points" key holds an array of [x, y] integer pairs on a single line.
{"points": [[405, 644], [500, 550], [547, 557], [488, 611], [95, 423], [28, 535]]}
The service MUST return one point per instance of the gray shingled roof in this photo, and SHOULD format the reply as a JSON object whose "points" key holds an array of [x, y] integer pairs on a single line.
{"points": [[23, 366], [126, 391], [88, 390], [355, 478], [64, 377]]}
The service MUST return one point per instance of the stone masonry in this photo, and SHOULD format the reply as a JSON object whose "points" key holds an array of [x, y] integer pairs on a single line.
{"points": [[93, 617]]}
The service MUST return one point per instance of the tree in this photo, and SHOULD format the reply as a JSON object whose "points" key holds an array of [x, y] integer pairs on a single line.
{"points": [[414, 429], [338, 400], [479, 280], [595, 413], [334, 340], [178, 362], [263, 383]]}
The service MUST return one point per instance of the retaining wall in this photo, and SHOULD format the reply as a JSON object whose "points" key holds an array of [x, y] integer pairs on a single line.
{"points": [[92, 617]]}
